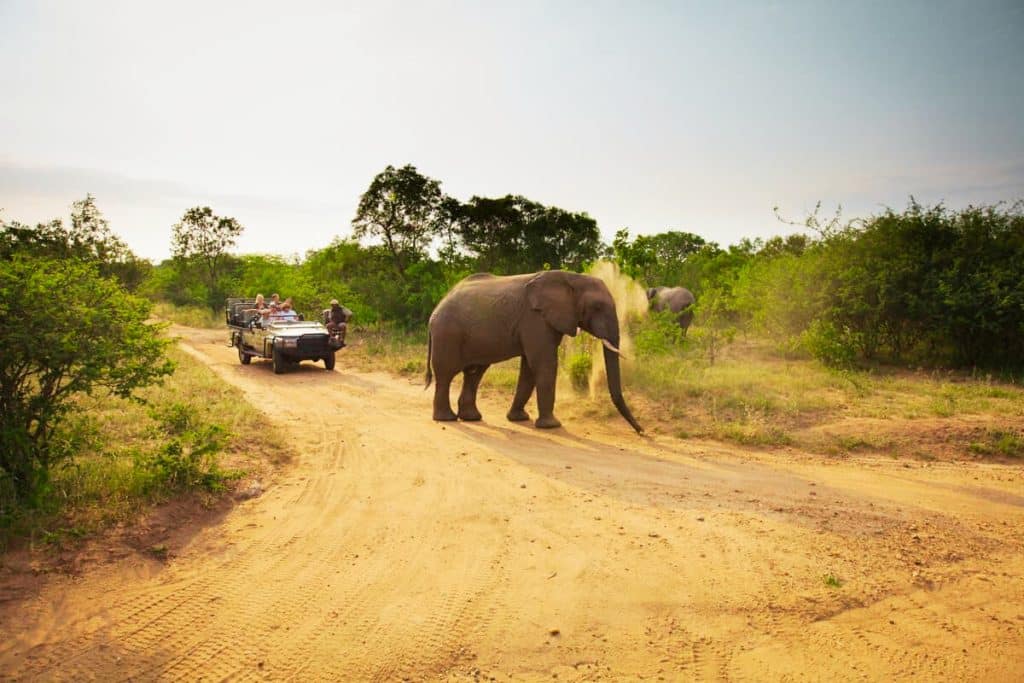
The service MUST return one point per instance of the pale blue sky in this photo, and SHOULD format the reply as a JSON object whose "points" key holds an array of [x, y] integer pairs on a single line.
{"points": [[697, 116]]}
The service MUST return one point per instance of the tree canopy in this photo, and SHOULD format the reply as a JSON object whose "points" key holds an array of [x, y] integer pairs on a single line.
{"points": [[403, 208], [202, 239]]}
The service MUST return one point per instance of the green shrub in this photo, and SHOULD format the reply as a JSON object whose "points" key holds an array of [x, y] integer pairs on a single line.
{"points": [[189, 458], [658, 334], [829, 344], [580, 363]]}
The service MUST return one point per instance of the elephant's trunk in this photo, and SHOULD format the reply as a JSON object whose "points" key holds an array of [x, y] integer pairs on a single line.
{"points": [[611, 366]]}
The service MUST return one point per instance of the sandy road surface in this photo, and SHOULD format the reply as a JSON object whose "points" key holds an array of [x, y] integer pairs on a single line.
{"points": [[397, 548]]}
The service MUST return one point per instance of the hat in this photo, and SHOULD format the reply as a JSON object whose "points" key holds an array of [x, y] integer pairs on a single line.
{"points": [[334, 302]]}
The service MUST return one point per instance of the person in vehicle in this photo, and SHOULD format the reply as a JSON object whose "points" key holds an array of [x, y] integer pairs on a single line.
{"points": [[275, 301], [285, 313], [258, 306], [336, 318]]}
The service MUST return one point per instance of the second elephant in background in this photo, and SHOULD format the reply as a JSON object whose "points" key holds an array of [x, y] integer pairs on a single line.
{"points": [[679, 300]]}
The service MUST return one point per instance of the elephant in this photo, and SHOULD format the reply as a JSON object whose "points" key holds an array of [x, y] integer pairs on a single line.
{"points": [[487, 318], [676, 299]]}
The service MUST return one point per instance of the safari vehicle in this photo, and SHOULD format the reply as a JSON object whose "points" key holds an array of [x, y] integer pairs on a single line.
{"points": [[284, 342]]}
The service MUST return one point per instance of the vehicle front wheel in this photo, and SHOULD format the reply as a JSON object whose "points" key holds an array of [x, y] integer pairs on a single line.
{"points": [[279, 361], [329, 361], [243, 357]]}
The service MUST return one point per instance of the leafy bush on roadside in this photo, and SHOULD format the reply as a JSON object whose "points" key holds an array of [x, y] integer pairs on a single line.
{"points": [[188, 459]]}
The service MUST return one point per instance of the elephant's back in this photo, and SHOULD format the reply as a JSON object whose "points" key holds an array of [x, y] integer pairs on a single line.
{"points": [[482, 298]]}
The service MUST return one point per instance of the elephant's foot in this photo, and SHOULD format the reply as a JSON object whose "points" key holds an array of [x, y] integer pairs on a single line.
{"points": [[517, 415], [470, 415], [444, 416], [549, 422]]}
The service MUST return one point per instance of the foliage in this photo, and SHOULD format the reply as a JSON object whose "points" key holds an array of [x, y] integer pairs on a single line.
{"points": [[513, 234], [579, 363], [932, 284], [404, 208], [200, 240], [827, 343], [187, 458], [658, 334], [97, 338], [660, 259], [716, 322], [89, 239]]}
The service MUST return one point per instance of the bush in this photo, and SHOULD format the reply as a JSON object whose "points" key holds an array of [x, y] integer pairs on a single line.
{"points": [[658, 334], [98, 339], [580, 363], [834, 347]]}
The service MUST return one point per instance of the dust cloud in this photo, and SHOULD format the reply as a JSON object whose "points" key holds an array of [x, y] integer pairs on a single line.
{"points": [[630, 303]]}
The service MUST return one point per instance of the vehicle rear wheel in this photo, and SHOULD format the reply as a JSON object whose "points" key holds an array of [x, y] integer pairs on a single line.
{"points": [[243, 357], [329, 361], [279, 361]]}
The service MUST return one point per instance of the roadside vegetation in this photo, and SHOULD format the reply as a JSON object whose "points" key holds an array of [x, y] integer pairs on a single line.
{"points": [[193, 435], [900, 333]]}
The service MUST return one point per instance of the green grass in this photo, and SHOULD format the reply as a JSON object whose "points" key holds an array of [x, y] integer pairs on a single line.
{"points": [[1003, 442], [831, 580], [195, 435]]}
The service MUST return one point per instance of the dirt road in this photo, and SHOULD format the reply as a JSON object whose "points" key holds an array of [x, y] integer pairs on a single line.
{"points": [[397, 548]]}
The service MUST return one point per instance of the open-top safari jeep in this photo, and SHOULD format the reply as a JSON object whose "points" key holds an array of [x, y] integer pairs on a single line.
{"points": [[284, 342]]}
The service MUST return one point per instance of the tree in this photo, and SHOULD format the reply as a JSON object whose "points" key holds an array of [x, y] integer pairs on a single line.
{"points": [[88, 239], [513, 234], [90, 235], [202, 238], [404, 208], [96, 338], [658, 259]]}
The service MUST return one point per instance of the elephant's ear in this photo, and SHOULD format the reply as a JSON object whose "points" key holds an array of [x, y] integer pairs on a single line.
{"points": [[553, 295]]}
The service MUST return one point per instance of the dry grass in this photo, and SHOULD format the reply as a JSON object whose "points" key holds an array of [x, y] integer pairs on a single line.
{"points": [[755, 396], [190, 316]]}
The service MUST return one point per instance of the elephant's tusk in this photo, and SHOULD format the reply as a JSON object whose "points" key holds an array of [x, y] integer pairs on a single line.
{"points": [[608, 345]]}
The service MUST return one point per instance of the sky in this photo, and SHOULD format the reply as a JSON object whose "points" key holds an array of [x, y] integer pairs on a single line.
{"points": [[651, 116]]}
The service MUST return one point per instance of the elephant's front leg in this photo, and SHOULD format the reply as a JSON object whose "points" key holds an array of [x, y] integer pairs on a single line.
{"points": [[545, 372], [471, 377], [524, 388]]}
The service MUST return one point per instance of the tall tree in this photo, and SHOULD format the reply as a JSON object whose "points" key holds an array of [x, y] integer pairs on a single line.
{"points": [[203, 238], [404, 208], [513, 234]]}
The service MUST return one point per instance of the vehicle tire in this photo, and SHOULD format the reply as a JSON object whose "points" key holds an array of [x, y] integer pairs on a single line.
{"points": [[243, 357], [329, 361], [279, 361]]}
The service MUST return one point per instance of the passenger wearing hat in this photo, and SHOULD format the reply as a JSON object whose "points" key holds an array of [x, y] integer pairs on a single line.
{"points": [[336, 317]]}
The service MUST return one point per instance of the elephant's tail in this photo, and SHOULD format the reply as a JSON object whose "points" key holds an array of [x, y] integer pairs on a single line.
{"points": [[430, 375]]}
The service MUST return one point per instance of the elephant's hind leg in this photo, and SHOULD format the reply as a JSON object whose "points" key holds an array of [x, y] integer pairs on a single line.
{"points": [[524, 388], [471, 377], [442, 402]]}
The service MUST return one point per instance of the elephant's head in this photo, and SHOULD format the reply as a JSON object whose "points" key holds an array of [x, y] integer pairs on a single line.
{"points": [[652, 292], [569, 301]]}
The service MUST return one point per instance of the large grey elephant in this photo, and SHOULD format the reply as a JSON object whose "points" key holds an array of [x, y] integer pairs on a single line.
{"points": [[486, 319], [676, 299]]}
